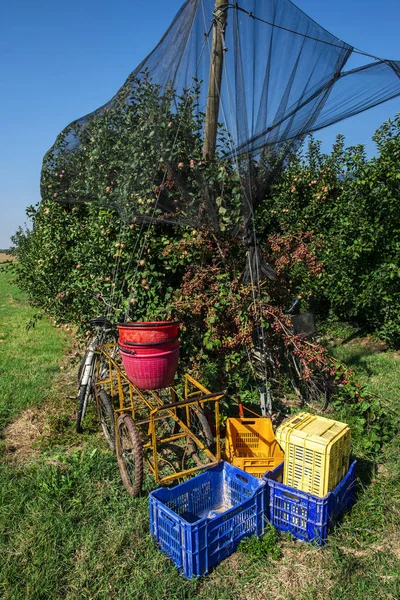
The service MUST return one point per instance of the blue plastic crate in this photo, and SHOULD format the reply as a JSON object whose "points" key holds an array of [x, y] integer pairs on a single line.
{"points": [[305, 516], [201, 521]]}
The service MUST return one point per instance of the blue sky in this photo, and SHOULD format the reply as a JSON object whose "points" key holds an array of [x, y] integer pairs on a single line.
{"points": [[61, 59]]}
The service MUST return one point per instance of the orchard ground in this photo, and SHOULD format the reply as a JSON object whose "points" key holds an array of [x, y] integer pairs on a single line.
{"points": [[69, 530]]}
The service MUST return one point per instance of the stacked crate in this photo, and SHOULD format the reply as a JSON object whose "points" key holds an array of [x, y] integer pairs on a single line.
{"points": [[306, 516], [312, 488], [201, 521], [317, 453]]}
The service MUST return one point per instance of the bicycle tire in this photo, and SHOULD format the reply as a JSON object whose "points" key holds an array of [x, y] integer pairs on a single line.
{"points": [[83, 397], [130, 459], [201, 428], [320, 400], [107, 418], [327, 394], [111, 337], [81, 367], [314, 392], [86, 390]]}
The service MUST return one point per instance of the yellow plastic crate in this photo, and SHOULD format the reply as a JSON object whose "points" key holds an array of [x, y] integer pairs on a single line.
{"points": [[251, 445], [317, 453]]}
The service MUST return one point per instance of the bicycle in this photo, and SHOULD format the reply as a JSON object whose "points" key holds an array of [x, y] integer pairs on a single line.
{"points": [[315, 390], [92, 364]]}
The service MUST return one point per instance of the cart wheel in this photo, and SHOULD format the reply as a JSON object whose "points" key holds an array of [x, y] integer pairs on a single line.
{"points": [[107, 418], [129, 455]]}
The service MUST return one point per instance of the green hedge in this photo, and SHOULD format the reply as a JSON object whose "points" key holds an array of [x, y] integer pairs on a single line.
{"points": [[351, 204]]}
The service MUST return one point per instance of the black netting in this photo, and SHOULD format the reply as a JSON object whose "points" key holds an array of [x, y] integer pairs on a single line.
{"points": [[303, 324], [283, 76]]}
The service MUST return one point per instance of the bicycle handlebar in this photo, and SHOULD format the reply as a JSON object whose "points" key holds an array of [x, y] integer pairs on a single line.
{"points": [[294, 305]]}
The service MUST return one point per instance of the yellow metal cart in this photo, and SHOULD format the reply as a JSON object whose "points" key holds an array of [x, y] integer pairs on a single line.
{"points": [[176, 430]]}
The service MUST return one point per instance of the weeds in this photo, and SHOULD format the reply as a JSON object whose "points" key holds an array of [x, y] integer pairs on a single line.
{"points": [[265, 546]]}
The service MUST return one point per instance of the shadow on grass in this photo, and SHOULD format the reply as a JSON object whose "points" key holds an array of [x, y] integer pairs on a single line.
{"points": [[356, 334], [52, 369], [357, 359], [366, 471]]}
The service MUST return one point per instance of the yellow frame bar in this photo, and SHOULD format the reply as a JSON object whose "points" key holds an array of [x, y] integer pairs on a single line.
{"points": [[158, 410]]}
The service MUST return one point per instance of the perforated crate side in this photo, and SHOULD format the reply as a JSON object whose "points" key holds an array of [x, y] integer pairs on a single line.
{"points": [[304, 468], [339, 460], [306, 516], [251, 445], [196, 544], [315, 462], [225, 532], [256, 466], [184, 543]]}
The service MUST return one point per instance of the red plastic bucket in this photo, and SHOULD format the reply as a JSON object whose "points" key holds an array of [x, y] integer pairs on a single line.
{"points": [[149, 348], [146, 332], [151, 371]]}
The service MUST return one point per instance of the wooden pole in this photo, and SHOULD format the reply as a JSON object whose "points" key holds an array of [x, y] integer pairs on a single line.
{"points": [[214, 81]]}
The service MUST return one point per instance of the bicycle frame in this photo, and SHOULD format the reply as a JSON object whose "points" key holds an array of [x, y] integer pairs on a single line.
{"points": [[87, 372], [92, 348]]}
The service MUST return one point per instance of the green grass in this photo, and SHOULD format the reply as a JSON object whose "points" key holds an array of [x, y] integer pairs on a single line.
{"points": [[378, 370], [29, 360], [68, 530]]}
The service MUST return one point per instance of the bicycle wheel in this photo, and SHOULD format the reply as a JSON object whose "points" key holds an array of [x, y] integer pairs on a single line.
{"points": [[85, 387], [107, 418], [81, 367], [200, 427], [129, 455], [314, 391], [318, 392], [86, 390], [294, 372], [110, 337], [83, 398]]}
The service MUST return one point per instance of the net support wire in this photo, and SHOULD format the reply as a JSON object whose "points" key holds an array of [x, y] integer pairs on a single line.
{"points": [[236, 6]]}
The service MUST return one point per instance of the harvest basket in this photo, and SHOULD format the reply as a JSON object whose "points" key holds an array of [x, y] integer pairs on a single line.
{"points": [[201, 521], [317, 453], [149, 348], [146, 332], [251, 445], [150, 371]]}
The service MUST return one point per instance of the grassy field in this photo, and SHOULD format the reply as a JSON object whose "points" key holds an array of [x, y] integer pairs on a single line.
{"points": [[68, 530], [29, 359]]}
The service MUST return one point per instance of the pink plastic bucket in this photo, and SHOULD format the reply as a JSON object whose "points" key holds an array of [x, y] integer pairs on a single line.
{"points": [[146, 332], [152, 348], [150, 371]]}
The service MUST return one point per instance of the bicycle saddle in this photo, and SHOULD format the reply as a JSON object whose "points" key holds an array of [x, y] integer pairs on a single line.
{"points": [[101, 322]]}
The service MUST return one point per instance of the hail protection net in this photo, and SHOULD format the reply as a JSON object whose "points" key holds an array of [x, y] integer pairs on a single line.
{"points": [[283, 76]]}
